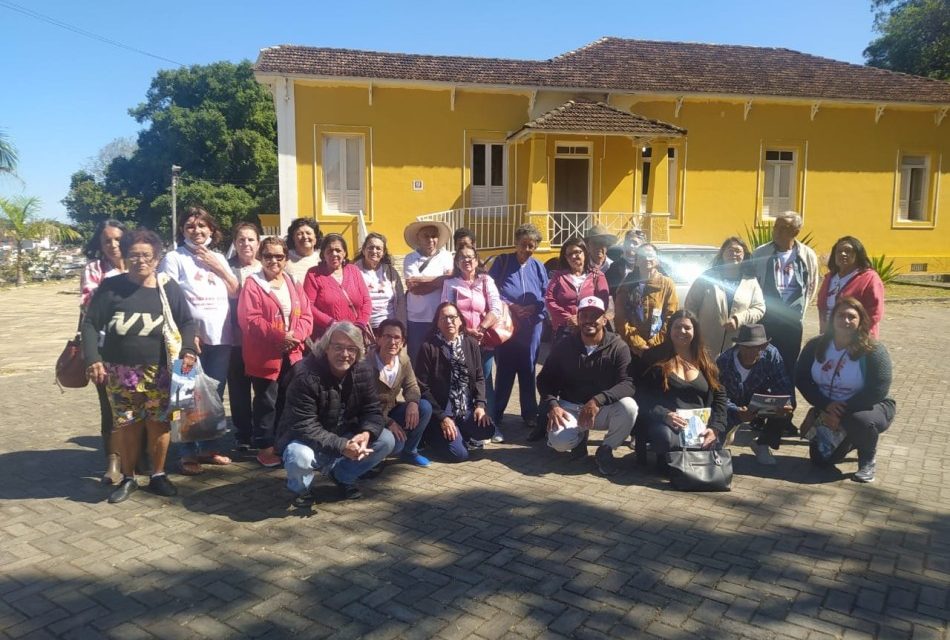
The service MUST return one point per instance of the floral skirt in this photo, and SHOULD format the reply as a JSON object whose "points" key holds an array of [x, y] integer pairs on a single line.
{"points": [[137, 393]]}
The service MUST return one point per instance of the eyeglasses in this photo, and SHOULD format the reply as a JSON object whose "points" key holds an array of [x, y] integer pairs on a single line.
{"points": [[336, 347], [391, 338], [449, 318], [140, 257], [467, 258], [274, 256]]}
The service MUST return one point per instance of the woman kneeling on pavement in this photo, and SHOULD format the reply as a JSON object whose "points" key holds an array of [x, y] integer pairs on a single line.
{"points": [[407, 420], [845, 375], [449, 369], [132, 363], [275, 319], [679, 374]]}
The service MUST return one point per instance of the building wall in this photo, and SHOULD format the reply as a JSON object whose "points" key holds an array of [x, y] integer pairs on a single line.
{"points": [[845, 184], [848, 173]]}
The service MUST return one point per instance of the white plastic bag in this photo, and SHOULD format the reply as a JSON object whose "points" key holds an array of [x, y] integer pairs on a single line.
{"points": [[195, 411]]}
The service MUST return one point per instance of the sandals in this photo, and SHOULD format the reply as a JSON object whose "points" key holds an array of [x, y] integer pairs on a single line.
{"points": [[190, 467], [214, 458]]}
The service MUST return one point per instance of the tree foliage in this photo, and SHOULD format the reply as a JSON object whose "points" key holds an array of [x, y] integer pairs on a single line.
{"points": [[915, 37], [8, 154], [20, 222], [214, 121]]}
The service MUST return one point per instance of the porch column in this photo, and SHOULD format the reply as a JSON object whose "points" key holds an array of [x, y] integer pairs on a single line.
{"points": [[538, 196], [283, 89], [658, 191]]}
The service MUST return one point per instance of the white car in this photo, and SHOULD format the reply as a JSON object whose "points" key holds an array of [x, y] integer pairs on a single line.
{"points": [[682, 262]]}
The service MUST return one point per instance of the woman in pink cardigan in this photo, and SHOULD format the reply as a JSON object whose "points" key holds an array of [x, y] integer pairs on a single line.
{"points": [[336, 289], [275, 319], [851, 275], [575, 279]]}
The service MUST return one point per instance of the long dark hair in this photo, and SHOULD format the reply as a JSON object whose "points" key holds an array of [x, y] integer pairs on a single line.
{"points": [[665, 357], [746, 267], [576, 241], [93, 248], [860, 254], [862, 344]]}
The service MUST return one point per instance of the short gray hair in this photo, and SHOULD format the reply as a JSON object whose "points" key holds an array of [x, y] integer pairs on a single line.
{"points": [[792, 217], [529, 230], [348, 329]]}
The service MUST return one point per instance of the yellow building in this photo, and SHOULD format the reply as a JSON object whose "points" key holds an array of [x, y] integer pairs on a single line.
{"points": [[691, 142]]}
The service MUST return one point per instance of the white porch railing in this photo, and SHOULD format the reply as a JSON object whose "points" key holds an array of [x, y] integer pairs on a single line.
{"points": [[494, 226]]}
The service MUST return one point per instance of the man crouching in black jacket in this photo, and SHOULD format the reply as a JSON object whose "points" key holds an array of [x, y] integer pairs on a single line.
{"points": [[332, 421], [585, 385]]}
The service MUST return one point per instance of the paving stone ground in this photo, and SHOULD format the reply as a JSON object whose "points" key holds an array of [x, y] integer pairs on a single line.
{"points": [[519, 543]]}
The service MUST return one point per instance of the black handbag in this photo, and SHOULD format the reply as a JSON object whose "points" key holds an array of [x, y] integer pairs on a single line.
{"points": [[701, 469]]}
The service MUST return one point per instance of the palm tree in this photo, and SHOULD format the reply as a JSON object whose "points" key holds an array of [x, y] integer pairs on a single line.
{"points": [[8, 155], [19, 221]]}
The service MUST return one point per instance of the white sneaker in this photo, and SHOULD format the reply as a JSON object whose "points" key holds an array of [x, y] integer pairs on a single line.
{"points": [[763, 455]]}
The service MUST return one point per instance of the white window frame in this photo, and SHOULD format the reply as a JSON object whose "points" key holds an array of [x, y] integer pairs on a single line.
{"points": [[908, 165], [344, 200], [488, 195], [672, 166], [773, 203]]}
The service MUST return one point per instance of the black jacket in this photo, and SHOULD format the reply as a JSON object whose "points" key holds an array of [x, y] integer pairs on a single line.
{"points": [[434, 373], [877, 379], [657, 402], [315, 399], [570, 374]]}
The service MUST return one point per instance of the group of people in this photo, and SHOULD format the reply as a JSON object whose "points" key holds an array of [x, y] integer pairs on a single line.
{"points": [[335, 362]]}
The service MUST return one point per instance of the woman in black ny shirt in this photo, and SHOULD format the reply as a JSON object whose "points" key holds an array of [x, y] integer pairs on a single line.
{"points": [[131, 360]]}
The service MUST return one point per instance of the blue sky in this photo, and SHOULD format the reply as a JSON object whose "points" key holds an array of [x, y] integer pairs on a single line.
{"points": [[65, 96]]}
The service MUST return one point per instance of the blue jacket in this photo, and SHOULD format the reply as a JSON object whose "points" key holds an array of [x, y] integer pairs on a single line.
{"points": [[766, 376]]}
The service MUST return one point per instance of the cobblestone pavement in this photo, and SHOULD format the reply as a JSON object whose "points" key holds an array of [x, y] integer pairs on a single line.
{"points": [[520, 543]]}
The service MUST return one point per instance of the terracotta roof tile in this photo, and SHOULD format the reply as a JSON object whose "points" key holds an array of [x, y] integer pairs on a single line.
{"points": [[616, 64], [597, 117]]}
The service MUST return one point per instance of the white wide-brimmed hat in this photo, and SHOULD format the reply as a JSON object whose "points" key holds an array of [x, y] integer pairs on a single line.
{"points": [[413, 229]]}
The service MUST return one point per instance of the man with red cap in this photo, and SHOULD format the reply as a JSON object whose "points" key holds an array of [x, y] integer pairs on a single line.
{"points": [[584, 385]]}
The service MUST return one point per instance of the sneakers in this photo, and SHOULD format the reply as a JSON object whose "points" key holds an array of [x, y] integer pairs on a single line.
{"points": [[474, 445], [162, 486], [579, 452], [126, 488], [304, 500], [346, 491], [604, 457], [499, 437], [538, 432], [267, 459], [763, 455], [415, 459], [865, 472]]}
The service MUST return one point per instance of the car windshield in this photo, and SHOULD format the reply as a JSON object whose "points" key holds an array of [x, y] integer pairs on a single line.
{"points": [[686, 265]]}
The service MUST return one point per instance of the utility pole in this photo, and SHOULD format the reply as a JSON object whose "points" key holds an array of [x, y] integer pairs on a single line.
{"points": [[175, 171]]}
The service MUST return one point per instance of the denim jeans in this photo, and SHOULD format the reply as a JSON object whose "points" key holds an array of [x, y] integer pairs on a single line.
{"points": [[455, 450], [488, 363], [414, 436], [415, 335], [300, 462], [215, 360]]}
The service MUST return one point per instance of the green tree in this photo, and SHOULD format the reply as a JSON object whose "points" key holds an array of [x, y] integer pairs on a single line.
{"points": [[8, 154], [21, 223], [217, 123], [229, 204], [89, 202], [915, 37]]}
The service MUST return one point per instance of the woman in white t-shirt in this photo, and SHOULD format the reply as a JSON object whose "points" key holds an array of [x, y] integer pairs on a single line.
{"points": [[845, 375], [208, 283], [386, 292]]}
